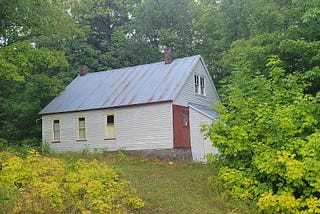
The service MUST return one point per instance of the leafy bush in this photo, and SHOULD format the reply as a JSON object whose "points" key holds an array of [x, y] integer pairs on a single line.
{"points": [[3, 144], [268, 138], [40, 184]]}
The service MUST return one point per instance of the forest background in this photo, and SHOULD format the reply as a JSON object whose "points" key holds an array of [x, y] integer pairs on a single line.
{"points": [[263, 55], [44, 42]]}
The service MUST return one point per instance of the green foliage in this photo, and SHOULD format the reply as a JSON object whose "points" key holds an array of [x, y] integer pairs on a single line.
{"points": [[169, 23], [256, 29], [40, 184], [122, 155], [85, 150], [268, 137], [312, 9], [3, 144], [113, 34], [38, 20], [296, 55], [31, 59], [27, 88], [45, 148]]}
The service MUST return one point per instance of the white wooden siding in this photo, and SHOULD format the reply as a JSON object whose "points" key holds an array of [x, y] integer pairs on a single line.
{"points": [[136, 128], [187, 93], [199, 146]]}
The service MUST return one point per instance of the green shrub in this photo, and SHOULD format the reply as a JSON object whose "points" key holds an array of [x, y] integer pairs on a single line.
{"points": [[3, 144], [122, 155], [45, 148], [40, 184], [268, 138]]}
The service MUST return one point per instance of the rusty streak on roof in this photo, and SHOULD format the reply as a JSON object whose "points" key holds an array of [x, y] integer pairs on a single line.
{"points": [[142, 84]]}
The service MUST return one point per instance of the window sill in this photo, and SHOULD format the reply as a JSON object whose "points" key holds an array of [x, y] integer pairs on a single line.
{"points": [[110, 138], [56, 141], [79, 140]]}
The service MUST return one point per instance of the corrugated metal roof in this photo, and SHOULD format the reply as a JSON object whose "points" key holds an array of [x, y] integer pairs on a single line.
{"points": [[156, 82], [205, 110]]}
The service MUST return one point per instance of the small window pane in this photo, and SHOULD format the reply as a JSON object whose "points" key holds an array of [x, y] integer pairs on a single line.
{"points": [[202, 91], [56, 136], [196, 84], [202, 81], [82, 133], [82, 122], [56, 125], [196, 79], [184, 119], [110, 119], [202, 87]]}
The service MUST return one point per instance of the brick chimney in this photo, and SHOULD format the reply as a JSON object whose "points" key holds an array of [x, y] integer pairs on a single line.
{"points": [[168, 55], [83, 69]]}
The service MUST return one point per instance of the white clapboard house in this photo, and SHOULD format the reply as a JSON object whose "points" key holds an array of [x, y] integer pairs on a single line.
{"points": [[156, 108]]}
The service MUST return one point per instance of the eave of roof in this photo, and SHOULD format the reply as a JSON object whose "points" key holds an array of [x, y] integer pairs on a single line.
{"points": [[114, 107], [206, 111]]}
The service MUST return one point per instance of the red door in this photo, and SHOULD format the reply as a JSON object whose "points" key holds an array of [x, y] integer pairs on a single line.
{"points": [[181, 127]]}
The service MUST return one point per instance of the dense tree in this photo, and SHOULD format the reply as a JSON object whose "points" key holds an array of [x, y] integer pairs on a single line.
{"points": [[267, 136], [34, 20], [31, 59], [43, 43], [210, 38], [268, 131], [169, 23], [107, 27], [26, 87], [276, 28], [311, 8]]}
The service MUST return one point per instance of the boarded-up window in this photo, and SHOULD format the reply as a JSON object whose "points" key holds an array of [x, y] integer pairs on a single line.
{"points": [[81, 128], [56, 130], [110, 127]]}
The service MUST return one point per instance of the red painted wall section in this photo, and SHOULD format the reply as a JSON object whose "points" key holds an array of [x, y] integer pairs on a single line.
{"points": [[181, 127]]}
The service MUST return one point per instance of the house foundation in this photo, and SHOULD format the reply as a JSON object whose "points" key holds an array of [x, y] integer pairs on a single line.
{"points": [[175, 154]]}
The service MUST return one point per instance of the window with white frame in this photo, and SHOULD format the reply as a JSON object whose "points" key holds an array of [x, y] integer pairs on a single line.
{"points": [[199, 85], [196, 84], [202, 91], [81, 126], [110, 127], [56, 130]]}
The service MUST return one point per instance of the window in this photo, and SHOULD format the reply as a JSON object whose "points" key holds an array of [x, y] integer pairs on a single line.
{"points": [[196, 84], [185, 119], [81, 128], [199, 85], [202, 86], [109, 127], [56, 131]]}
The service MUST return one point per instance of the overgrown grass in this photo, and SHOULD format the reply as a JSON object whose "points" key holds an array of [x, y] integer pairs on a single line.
{"points": [[170, 187], [165, 186]]}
